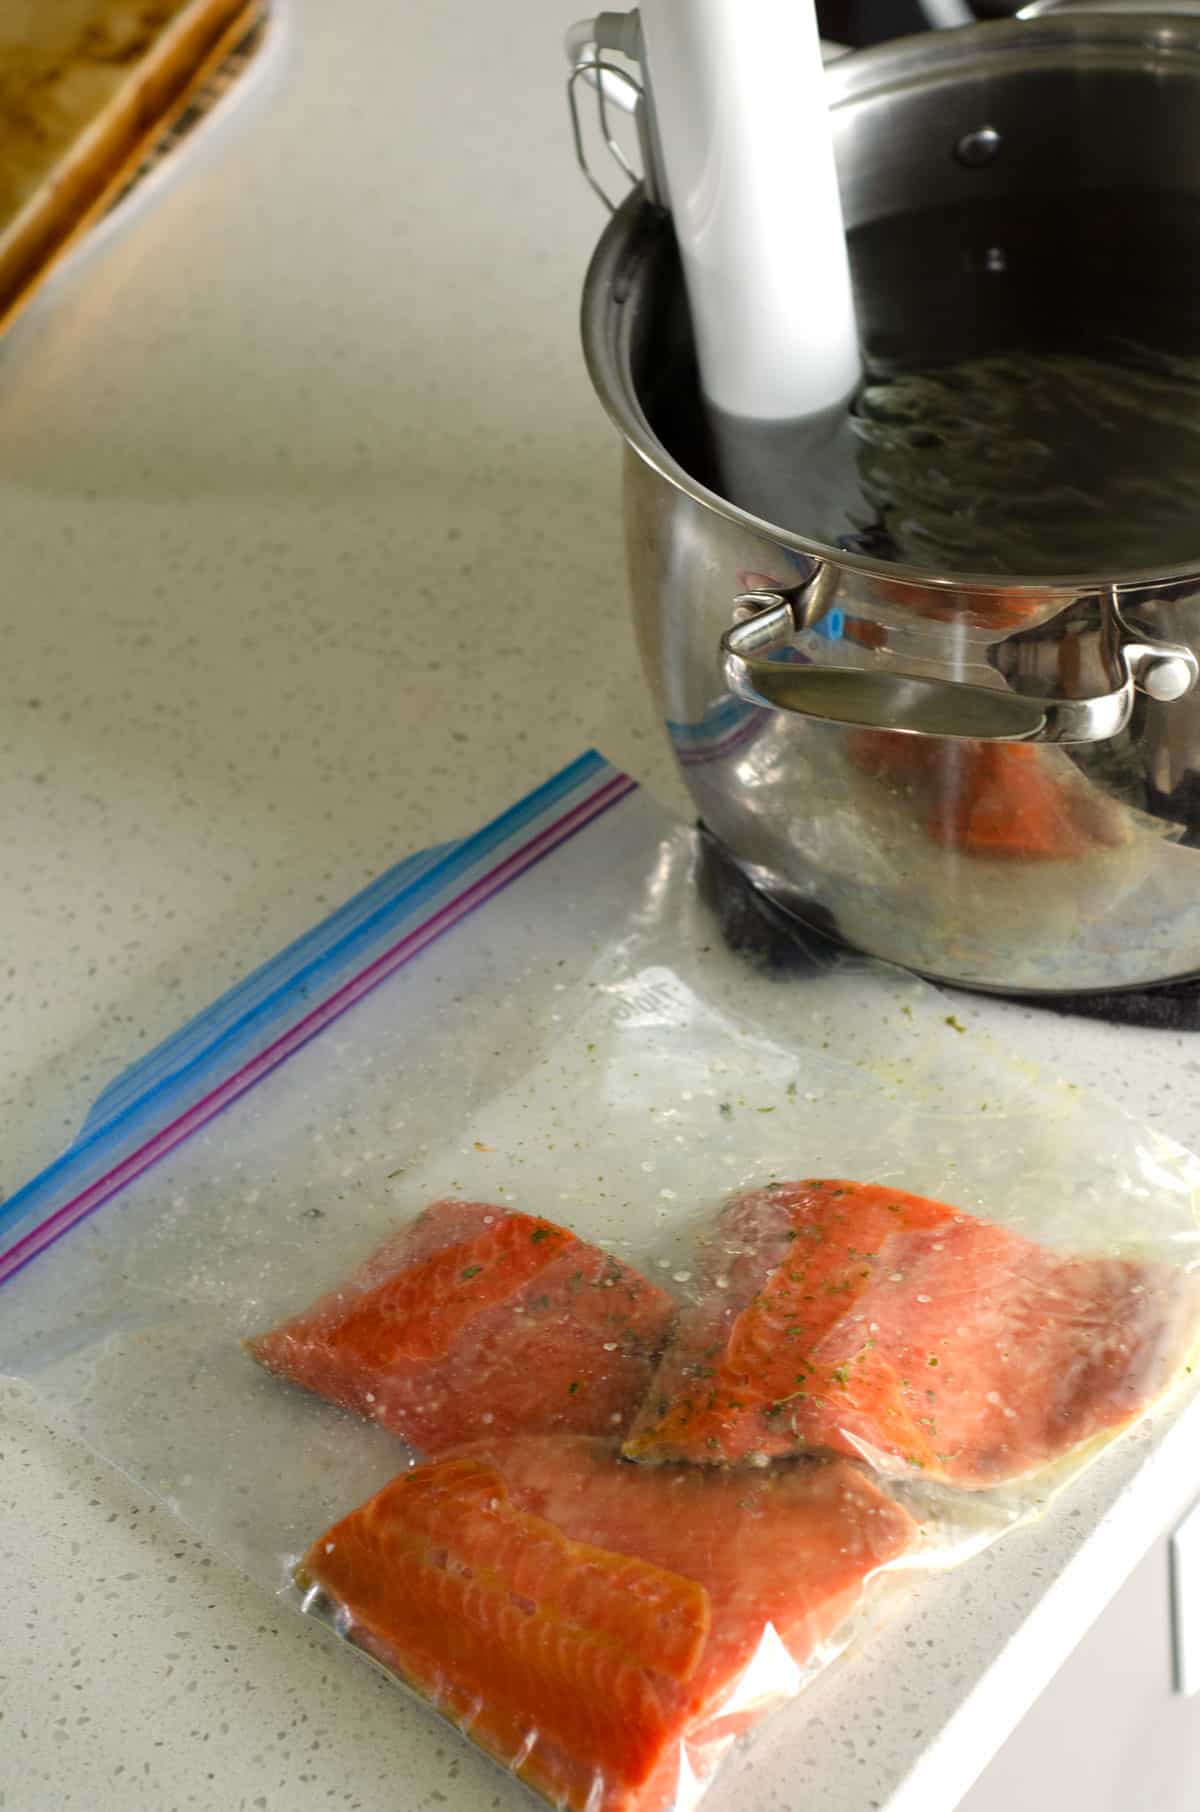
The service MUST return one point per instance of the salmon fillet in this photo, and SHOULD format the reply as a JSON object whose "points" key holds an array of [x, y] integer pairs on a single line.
{"points": [[864, 1320], [597, 1627], [476, 1318]]}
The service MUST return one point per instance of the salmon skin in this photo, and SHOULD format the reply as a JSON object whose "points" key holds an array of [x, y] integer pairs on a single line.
{"points": [[477, 1318], [603, 1630], [868, 1321]]}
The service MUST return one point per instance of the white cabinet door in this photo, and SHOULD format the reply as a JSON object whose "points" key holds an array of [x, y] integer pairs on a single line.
{"points": [[1109, 1734]]}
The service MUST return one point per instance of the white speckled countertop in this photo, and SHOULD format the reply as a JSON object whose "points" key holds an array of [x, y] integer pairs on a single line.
{"points": [[317, 383]]}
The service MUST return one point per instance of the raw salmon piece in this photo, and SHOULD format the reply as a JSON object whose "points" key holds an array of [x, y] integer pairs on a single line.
{"points": [[596, 1626], [868, 1321], [473, 1318]]}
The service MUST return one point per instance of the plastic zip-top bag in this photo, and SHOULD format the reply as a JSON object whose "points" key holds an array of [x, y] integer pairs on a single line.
{"points": [[593, 1311]]}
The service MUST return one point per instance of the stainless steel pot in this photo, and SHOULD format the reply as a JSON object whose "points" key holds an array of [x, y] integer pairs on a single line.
{"points": [[776, 660]]}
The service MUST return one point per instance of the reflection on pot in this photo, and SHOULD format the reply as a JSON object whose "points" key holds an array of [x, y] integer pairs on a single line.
{"points": [[1006, 800]]}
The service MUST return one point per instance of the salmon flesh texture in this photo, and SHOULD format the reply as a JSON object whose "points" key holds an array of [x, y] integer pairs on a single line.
{"points": [[477, 1319], [863, 1320], [603, 1630]]}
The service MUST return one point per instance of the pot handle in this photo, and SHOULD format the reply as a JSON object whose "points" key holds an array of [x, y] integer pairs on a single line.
{"points": [[890, 699]]}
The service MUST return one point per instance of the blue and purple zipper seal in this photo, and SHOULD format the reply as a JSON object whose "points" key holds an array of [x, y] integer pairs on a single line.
{"points": [[264, 1019]]}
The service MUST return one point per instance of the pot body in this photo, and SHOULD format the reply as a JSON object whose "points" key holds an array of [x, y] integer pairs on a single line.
{"points": [[1050, 850]]}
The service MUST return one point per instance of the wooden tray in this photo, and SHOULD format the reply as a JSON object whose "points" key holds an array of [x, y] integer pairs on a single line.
{"points": [[88, 88]]}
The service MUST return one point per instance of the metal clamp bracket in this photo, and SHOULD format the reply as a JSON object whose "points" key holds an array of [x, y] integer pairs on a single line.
{"points": [[888, 698], [614, 85]]}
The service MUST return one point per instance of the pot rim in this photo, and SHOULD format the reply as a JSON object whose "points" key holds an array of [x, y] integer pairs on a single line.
{"points": [[925, 60]]}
